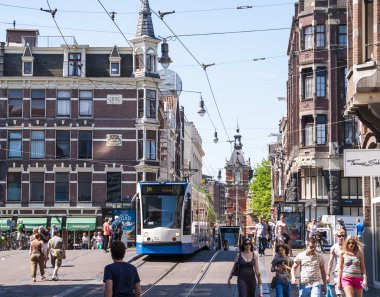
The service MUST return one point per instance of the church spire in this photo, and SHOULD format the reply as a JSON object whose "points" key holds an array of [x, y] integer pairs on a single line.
{"points": [[238, 145], [145, 24]]}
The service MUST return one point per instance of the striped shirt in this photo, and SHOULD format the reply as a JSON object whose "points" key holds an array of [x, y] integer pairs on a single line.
{"points": [[351, 266], [310, 267]]}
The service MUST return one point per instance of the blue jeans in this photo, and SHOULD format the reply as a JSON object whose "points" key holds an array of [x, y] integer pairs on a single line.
{"points": [[314, 291], [283, 289], [262, 244]]}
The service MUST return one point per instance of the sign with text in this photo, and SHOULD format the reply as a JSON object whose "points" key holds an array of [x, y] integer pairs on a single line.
{"points": [[128, 218], [362, 162], [114, 99]]}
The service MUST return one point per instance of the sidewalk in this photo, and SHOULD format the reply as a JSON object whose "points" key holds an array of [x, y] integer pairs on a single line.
{"points": [[267, 259]]}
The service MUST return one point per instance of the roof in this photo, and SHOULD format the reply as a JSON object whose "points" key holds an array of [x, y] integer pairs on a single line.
{"points": [[145, 24]]}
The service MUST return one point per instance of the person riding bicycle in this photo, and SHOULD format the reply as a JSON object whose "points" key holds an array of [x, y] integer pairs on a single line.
{"points": [[312, 228]]}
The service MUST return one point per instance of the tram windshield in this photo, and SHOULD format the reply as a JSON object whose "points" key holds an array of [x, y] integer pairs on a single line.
{"points": [[162, 211]]}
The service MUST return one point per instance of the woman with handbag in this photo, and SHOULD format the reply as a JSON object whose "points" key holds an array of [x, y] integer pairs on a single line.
{"points": [[246, 268], [282, 265], [58, 253]]}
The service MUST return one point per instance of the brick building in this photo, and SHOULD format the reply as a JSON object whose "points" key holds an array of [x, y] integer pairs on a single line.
{"points": [[80, 125], [316, 130], [363, 101]]}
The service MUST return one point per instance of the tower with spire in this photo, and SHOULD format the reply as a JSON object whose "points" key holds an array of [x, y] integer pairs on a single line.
{"points": [[237, 187]]}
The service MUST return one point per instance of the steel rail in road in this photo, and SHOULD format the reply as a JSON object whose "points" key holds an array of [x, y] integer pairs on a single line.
{"points": [[202, 275]]}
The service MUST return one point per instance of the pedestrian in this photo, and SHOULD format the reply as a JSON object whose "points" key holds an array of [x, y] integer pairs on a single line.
{"points": [[261, 235], [44, 235], [352, 275], [247, 264], [117, 229], [99, 241], [335, 252], [93, 241], [85, 241], [341, 225], [359, 230], [272, 227], [58, 253], [280, 238], [312, 268], [312, 228], [53, 229], [307, 233], [282, 265], [110, 227], [37, 257], [285, 231], [20, 233], [121, 278], [106, 234]]}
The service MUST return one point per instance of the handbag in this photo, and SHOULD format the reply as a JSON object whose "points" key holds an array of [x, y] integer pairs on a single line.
{"points": [[329, 291], [273, 282]]}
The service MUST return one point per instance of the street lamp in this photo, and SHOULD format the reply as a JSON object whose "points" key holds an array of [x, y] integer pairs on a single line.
{"points": [[165, 59], [201, 110]]}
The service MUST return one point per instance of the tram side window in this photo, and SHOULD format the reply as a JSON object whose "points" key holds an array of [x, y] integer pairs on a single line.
{"points": [[138, 217], [187, 218]]}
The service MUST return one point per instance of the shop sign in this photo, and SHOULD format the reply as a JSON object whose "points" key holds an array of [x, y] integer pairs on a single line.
{"points": [[114, 139], [114, 99], [278, 199], [361, 162]]}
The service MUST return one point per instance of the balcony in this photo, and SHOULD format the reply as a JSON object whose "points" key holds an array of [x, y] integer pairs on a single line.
{"points": [[363, 97], [47, 41]]}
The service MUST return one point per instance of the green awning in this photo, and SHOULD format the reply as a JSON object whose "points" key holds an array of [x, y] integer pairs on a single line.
{"points": [[31, 223], [3, 225], [81, 224], [57, 221]]}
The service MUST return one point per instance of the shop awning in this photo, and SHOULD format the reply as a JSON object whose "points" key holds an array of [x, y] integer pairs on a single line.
{"points": [[57, 221], [4, 225], [81, 224], [31, 223]]}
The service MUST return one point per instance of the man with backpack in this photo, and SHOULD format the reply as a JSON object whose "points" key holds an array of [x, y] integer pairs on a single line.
{"points": [[117, 229]]}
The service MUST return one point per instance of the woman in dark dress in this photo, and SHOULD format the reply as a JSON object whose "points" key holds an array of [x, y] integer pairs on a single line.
{"points": [[248, 268]]}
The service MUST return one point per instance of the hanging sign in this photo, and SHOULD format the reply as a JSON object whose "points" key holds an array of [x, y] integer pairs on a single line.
{"points": [[362, 162]]}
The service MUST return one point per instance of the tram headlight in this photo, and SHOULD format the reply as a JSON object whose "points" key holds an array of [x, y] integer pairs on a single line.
{"points": [[177, 234], [146, 234]]}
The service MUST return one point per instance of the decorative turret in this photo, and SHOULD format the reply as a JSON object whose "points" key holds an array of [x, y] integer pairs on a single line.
{"points": [[238, 145], [145, 24]]}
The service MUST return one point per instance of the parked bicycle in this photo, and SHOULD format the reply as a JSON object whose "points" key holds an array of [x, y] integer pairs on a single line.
{"points": [[321, 242]]}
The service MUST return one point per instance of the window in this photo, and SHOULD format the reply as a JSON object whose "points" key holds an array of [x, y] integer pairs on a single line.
{"points": [[140, 103], [150, 107], [63, 103], [113, 186], [368, 29], [351, 187], [38, 103], [307, 83], [85, 103], [62, 144], [321, 82], [313, 184], [85, 145], [14, 186], [115, 68], [36, 186], [350, 132], [321, 129], [75, 64], [308, 125], [150, 176], [27, 68], [308, 38], [150, 60], [37, 145], [139, 60], [62, 186], [84, 186], [342, 36], [150, 145], [321, 37], [352, 211], [140, 145], [15, 103], [14, 144]]}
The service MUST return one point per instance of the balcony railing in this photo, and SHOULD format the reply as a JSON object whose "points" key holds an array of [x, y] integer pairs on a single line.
{"points": [[48, 41]]}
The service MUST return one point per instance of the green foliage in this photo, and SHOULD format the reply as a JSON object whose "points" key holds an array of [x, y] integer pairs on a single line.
{"points": [[261, 191]]}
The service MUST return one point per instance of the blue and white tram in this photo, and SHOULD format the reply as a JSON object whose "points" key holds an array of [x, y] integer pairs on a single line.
{"points": [[168, 220]]}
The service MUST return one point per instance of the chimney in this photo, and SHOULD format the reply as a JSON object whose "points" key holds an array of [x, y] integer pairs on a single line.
{"points": [[2, 46]]}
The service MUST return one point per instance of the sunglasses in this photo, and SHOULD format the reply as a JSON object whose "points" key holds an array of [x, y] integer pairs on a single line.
{"points": [[340, 236], [247, 243], [311, 246]]}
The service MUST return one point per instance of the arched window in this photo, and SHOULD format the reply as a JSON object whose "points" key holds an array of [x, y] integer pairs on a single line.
{"points": [[139, 60], [150, 60]]}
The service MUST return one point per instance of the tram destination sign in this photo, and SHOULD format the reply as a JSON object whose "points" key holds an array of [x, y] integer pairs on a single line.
{"points": [[362, 162], [162, 189]]}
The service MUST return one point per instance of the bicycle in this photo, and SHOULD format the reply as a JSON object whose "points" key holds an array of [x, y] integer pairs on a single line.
{"points": [[321, 242]]}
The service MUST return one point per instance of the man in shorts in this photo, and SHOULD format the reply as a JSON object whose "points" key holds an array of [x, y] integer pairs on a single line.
{"points": [[57, 252], [335, 251]]}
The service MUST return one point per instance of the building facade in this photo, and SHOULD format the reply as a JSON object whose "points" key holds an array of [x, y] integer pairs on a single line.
{"points": [[363, 101], [316, 130], [80, 125]]}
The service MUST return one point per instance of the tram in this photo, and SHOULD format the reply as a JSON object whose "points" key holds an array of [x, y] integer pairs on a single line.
{"points": [[229, 238], [170, 219]]}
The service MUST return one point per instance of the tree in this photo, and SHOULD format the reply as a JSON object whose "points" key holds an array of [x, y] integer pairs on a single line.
{"points": [[260, 190]]}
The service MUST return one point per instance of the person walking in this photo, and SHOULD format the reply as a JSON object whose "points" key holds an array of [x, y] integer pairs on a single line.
{"points": [[121, 278], [85, 241], [117, 229], [335, 252], [106, 234], [280, 238], [248, 270], [312, 228], [20, 233], [44, 235], [53, 229], [359, 230], [352, 275], [281, 264], [312, 268], [37, 257], [261, 235], [341, 225], [285, 231], [58, 253]]}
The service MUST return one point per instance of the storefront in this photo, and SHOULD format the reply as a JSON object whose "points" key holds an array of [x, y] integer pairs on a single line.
{"points": [[76, 226], [31, 223]]}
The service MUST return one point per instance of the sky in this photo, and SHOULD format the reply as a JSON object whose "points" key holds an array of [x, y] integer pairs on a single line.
{"points": [[250, 69]]}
